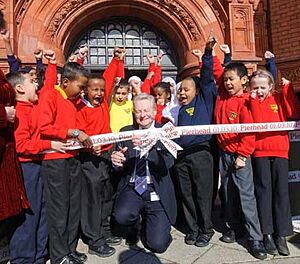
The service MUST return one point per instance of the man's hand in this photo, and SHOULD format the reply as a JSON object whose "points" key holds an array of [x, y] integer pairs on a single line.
{"points": [[59, 146], [10, 113], [5, 35], [269, 55], [118, 157], [136, 140], [225, 48], [150, 58], [97, 150], [50, 56], [38, 53], [85, 139], [240, 162]]}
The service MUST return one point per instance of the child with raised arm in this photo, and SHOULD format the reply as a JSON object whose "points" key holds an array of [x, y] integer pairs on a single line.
{"points": [[62, 171], [270, 158], [29, 242], [194, 165], [93, 118], [232, 107]]}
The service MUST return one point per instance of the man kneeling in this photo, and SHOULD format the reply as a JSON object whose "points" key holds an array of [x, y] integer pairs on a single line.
{"points": [[145, 188]]}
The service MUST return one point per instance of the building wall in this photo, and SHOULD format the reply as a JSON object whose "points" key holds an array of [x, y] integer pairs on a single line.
{"points": [[284, 24], [249, 26]]}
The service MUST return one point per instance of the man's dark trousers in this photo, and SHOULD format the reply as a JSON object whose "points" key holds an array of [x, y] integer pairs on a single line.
{"points": [[156, 227]]}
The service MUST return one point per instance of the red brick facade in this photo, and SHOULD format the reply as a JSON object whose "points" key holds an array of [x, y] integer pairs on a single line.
{"points": [[249, 26], [285, 36]]}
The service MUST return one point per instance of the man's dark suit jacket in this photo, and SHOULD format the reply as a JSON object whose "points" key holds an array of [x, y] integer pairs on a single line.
{"points": [[160, 160]]}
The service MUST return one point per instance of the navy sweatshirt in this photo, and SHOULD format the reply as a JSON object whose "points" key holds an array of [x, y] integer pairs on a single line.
{"points": [[200, 110]]}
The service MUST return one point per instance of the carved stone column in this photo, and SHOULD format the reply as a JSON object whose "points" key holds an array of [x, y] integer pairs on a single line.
{"points": [[7, 8], [241, 31]]}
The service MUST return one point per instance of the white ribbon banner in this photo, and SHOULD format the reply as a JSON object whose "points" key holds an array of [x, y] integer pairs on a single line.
{"points": [[168, 132]]}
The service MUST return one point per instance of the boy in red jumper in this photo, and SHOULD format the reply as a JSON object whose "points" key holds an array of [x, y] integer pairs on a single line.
{"points": [[271, 159], [29, 242], [93, 118], [232, 107], [61, 171]]}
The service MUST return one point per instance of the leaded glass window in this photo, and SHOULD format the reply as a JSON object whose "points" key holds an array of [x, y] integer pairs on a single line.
{"points": [[138, 39]]}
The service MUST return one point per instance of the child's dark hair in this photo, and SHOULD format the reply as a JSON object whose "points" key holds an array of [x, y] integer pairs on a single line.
{"points": [[94, 75], [238, 67], [196, 81], [121, 84], [165, 86], [15, 78], [72, 70]]}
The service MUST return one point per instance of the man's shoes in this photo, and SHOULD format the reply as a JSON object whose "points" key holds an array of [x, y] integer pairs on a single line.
{"points": [[113, 240], [80, 257], [102, 251], [69, 260], [228, 236], [269, 244], [257, 249], [282, 246], [190, 239], [203, 240]]}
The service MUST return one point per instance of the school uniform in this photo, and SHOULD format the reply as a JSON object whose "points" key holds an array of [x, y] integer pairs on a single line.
{"points": [[270, 160], [29, 241], [61, 174], [194, 165]]}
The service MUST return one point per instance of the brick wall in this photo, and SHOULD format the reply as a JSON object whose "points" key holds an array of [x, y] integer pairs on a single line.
{"points": [[285, 37]]}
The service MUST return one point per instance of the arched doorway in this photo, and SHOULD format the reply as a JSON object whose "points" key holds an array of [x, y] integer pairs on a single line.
{"points": [[137, 37]]}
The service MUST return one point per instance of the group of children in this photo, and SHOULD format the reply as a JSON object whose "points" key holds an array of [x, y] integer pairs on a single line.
{"points": [[71, 189]]}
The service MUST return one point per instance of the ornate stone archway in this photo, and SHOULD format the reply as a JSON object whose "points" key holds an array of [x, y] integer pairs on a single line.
{"points": [[54, 24]]}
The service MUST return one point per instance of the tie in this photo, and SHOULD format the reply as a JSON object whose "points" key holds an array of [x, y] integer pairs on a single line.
{"points": [[140, 183]]}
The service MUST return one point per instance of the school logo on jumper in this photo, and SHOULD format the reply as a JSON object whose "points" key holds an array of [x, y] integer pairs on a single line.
{"points": [[232, 115], [190, 111], [274, 108], [127, 110]]}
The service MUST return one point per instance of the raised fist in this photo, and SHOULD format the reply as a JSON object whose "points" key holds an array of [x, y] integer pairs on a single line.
{"points": [[83, 52], [269, 55], [225, 48], [38, 53], [50, 55]]}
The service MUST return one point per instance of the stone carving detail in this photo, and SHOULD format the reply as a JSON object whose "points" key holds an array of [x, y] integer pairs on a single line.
{"points": [[222, 18], [241, 26], [171, 5], [176, 9], [292, 74], [21, 12], [2, 5], [62, 14]]}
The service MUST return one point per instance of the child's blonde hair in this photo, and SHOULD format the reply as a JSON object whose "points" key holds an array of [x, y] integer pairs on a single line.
{"points": [[263, 74]]}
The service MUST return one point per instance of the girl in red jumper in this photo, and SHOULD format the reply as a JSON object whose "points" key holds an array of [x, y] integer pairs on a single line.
{"points": [[162, 95], [270, 159]]}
